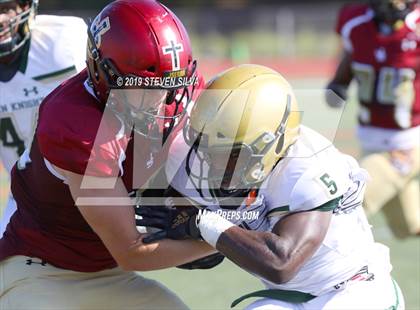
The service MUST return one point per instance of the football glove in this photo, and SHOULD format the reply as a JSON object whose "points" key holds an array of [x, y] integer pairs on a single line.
{"points": [[336, 95], [175, 223]]}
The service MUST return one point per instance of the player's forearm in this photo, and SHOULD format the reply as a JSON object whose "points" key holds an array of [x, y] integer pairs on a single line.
{"points": [[337, 89], [164, 254], [115, 225], [261, 253], [344, 74]]}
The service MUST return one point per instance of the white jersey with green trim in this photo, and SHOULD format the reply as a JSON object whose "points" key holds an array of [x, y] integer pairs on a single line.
{"points": [[57, 50], [313, 175]]}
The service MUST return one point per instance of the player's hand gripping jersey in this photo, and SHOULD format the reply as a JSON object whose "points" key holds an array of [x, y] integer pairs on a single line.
{"points": [[56, 51]]}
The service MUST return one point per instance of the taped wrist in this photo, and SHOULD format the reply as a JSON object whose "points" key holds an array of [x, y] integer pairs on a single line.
{"points": [[211, 226]]}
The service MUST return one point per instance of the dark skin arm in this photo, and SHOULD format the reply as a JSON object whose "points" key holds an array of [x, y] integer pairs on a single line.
{"points": [[339, 84], [343, 74], [276, 256]]}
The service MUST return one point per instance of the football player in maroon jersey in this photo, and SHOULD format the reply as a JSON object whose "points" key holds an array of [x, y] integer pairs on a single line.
{"points": [[73, 242], [382, 54]]}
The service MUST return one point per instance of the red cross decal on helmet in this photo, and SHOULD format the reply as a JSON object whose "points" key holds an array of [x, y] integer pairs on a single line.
{"points": [[174, 49]]}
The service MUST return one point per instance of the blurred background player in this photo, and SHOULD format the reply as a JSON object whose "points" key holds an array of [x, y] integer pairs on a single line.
{"points": [[68, 254], [245, 151], [381, 43], [36, 54]]}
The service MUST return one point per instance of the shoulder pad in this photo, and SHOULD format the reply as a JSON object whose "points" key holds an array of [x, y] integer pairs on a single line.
{"points": [[60, 39], [319, 185], [349, 12], [75, 135]]}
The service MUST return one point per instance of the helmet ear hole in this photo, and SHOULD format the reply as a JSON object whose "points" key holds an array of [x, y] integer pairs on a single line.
{"points": [[152, 69]]}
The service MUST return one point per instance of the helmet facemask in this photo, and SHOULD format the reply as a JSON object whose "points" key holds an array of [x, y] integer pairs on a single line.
{"points": [[142, 109], [151, 112], [234, 169], [213, 176], [16, 29]]}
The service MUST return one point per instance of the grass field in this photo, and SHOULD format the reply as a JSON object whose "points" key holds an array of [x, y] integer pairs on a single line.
{"points": [[217, 288]]}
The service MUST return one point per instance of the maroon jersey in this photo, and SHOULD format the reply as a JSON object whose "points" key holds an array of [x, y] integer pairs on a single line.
{"points": [[385, 65], [75, 134]]}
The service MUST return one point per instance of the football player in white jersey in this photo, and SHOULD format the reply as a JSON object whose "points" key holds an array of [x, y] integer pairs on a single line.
{"points": [[36, 55], [300, 226]]}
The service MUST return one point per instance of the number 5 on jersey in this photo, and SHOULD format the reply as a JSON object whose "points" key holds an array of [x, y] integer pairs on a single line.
{"points": [[329, 183]]}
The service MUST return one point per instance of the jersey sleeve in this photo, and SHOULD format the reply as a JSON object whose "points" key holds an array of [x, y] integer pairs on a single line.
{"points": [[342, 18], [68, 150], [344, 22], [74, 38], [58, 48], [318, 187], [81, 140]]}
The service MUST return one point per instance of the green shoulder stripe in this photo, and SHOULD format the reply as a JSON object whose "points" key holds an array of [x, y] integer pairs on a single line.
{"points": [[54, 74], [326, 207], [329, 206], [295, 297]]}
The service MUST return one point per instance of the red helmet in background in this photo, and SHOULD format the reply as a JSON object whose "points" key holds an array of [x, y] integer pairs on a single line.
{"points": [[132, 44]]}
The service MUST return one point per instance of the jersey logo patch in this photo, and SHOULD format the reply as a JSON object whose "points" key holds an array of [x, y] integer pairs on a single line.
{"points": [[99, 28], [27, 91], [174, 49]]}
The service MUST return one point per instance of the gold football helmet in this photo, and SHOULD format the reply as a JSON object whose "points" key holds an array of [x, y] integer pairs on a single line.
{"points": [[241, 126]]}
